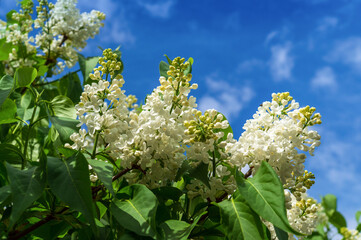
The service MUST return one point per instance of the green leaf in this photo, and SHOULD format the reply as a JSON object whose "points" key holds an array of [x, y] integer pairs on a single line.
{"points": [[240, 221], [201, 173], [168, 59], [357, 216], [264, 194], [65, 127], [25, 76], [165, 193], [329, 202], [11, 154], [5, 49], [86, 66], [338, 220], [62, 106], [5, 192], [104, 172], [163, 69], [70, 86], [42, 70], [137, 213], [26, 187], [23, 102], [175, 229], [6, 87], [8, 111], [281, 235], [69, 180]]}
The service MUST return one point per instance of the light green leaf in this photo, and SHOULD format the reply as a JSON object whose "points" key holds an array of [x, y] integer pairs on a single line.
{"points": [[175, 229], [25, 76], [6, 86], [65, 127], [8, 111], [137, 213], [69, 180], [26, 187], [87, 66], [240, 221], [163, 69], [264, 194], [5, 49], [329, 202], [357, 216], [62, 106], [104, 172]]}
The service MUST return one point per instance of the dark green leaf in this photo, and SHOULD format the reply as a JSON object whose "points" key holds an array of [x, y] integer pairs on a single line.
{"points": [[137, 213], [26, 187], [104, 172], [5, 192], [65, 127], [69, 180], [6, 86], [240, 221], [201, 173], [24, 76], [165, 193], [358, 228], [8, 111], [70, 86], [329, 202], [281, 235], [62, 106], [264, 194], [11, 154], [338, 220]]}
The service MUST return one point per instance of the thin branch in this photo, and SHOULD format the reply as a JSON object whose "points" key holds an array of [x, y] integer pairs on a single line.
{"points": [[249, 173]]}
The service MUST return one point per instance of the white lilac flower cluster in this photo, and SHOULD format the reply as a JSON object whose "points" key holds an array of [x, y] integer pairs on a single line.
{"points": [[62, 31], [154, 142], [278, 132]]}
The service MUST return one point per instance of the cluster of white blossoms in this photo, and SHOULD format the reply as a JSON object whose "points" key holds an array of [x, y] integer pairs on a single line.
{"points": [[101, 108], [152, 143], [62, 31], [279, 134]]}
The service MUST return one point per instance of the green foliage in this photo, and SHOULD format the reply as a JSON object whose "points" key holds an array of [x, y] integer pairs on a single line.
{"points": [[240, 221], [264, 193]]}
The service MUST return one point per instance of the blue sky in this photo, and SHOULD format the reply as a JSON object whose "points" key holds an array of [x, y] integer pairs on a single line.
{"points": [[246, 50]]}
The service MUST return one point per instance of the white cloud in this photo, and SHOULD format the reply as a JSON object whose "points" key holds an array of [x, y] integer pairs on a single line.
{"points": [[249, 65], [225, 98], [159, 9], [270, 36], [347, 51], [281, 62], [324, 78], [327, 23]]}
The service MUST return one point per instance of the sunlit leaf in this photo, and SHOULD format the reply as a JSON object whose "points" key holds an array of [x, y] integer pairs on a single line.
{"points": [[137, 212], [264, 193], [240, 221], [24, 76], [6, 86]]}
